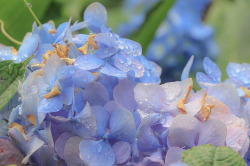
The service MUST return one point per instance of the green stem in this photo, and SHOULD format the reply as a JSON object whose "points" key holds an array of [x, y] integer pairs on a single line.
{"points": [[33, 14], [7, 35]]}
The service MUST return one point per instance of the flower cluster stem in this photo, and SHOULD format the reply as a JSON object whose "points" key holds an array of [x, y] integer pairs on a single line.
{"points": [[7, 35], [33, 14]]}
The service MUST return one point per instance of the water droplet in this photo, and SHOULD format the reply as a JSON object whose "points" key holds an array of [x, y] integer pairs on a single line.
{"points": [[29, 5], [128, 61], [121, 61], [139, 66]]}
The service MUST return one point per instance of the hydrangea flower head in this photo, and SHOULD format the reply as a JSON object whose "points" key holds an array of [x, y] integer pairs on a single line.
{"points": [[93, 99]]}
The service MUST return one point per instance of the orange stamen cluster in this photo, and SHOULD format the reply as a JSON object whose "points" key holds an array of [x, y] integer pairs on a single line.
{"points": [[84, 49], [181, 102], [60, 50], [52, 31], [205, 109], [20, 128], [40, 65], [55, 91], [32, 119], [247, 91], [39, 73], [14, 51]]}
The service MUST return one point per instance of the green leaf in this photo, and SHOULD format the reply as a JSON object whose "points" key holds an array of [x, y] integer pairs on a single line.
{"points": [[154, 18], [17, 18], [231, 22], [209, 155], [10, 75]]}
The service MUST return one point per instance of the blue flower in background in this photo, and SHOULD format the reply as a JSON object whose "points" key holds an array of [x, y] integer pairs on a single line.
{"points": [[180, 36]]}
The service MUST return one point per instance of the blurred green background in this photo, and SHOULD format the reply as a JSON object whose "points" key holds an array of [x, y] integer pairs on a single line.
{"points": [[230, 18]]}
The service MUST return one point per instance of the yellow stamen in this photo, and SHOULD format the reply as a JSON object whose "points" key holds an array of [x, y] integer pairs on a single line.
{"points": [[32, 119], [39, 73], [14, 51], [205, 109], [181, 106], [69, 61], [47, 55], [60, 50], [20, 128], [94, 73], [52, 31], [92, 42], [181, 102], [55, 91], [247, 91], [84, 49], [40, 65]]}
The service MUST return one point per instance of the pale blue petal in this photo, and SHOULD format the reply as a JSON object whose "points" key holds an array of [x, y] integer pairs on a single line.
{"points": [[46, 155], [60, 143], [97, 153], [112, 71], [80, 39], [122, 152], [122, 125], [87, 119], [6, 54], [173, 155], [146, 140], [227, 94], [65, 75], [239, 73], [53, 104], [111, 106], [82, 78], [88, 62], [102, 119], [78, 25], [186, 70], [150, 97], [129, 47], [63, 33], [124, 94], [96, 16], [212, 70], [51, 69], [28, 47], [183, 132], [212, 131], [96, 94], [106, 39], [67, 95], [72, 152], [203, 80], [78, 101]]}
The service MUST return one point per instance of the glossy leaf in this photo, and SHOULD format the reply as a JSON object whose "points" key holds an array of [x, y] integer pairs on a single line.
{"points": [[10, 75], [209, 155]]}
